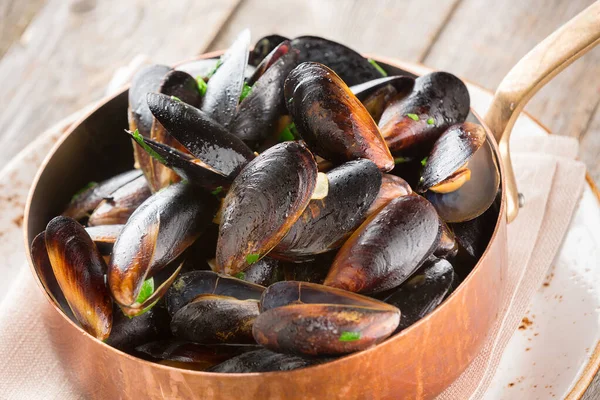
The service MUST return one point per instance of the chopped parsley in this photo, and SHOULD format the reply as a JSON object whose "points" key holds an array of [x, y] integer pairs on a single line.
{"points": [[218, 190], [378, 67], [252, 258], [349, 336], [175, 98], [240, 275], [245, 91], [430, 121], [201, 85], [146, 291], [140, 140], [424, 161], [414, 117]]}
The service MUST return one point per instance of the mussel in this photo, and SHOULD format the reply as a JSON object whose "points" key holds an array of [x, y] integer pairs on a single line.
{"points": [[376, 94], [264, 360], [387, 248], [264, 201], [438, 100], [391, 188], [310, 319], [347, 63], [423, 292], [331, 119], [104, 236], [127, 333], [353, 187], [117, 208], [267, 62], [192, 284], [265, 272], [92, 195], [155, 234], [79, 270], [263, 47]]}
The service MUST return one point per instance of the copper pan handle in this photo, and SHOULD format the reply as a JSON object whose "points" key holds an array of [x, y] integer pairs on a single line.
{"points": [[539, 66]]}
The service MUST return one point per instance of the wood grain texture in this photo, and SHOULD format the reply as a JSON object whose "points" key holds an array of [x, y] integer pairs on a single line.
{"points": [[15, 16], [74, 48], [351, 22]]}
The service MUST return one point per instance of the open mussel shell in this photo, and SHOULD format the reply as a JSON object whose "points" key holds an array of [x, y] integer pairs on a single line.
{"points": [[264, 201], [347, 63], [476, 195], [211, 318], [270, 59], [104, 236], [451, 151], [79, 270], [192, 284], [388, 247], [156, 233], [117, 208], [327, 222], [189, 167], [203, 137], [263, 47], [310, 319], [43, 269], [146, 80], [391, 187], [331, 119], [264, 360], [192, 355], [438, 100], [376, 94], [127, 333], [258, 114], [264, 272], [85, 202], [183, 87], [423, 292], [225, 86]]}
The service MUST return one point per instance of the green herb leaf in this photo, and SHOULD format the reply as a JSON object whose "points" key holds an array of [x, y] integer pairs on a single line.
{"points": [[288, 133], [84, 189], [218, 190], [349, 336], [240, 275], [414, 117], [252, 258], [400, 160], [140, 140], [201, 85], [424, 161], [147, 290], [378, 67], [431, 121], [215, 68], [175, 98], [245, 91]]}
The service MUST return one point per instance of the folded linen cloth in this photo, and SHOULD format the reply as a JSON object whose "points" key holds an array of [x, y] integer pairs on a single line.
{"points": [[548, 176]]}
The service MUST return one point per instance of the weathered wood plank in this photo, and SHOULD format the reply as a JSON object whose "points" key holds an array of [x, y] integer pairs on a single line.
{"points": [[482, 42], [401, 29], [72, 50], [15, 16]]}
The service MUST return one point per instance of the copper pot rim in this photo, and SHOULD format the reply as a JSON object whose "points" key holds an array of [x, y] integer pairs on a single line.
{"points": [[410, 67]]}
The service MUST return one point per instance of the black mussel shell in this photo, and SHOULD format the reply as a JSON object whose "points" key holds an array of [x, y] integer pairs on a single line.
{"points": [[212, 318], [327, 222], [264, 360], [347, 63], [263, 47], [200, 135], [447, 246], [331, 119], [146, 80], [85, 202], [423, 292], [192, 284], [451, 151], [376, 94], [116, 209], [278, 52], [157, 232], [474, 235], [128, 333], [388, 247], [258, 114], [264, 272], [104, 236], [391, 187], [264, 201], [438, 100], [79, 270], [225, 86], [313, 271]]}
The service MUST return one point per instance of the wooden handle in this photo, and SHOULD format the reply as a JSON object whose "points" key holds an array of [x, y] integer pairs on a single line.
{"points": [[540, 65]]}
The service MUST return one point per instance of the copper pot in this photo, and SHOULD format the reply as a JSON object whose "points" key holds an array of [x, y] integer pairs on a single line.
{"points": [[420, 362]]}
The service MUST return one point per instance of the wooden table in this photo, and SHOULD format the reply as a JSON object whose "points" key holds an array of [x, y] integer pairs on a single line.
{"points": [[56, 56]]}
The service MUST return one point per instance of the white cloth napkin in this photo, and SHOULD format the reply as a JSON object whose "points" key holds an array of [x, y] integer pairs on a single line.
{"points": [[548, 176]]}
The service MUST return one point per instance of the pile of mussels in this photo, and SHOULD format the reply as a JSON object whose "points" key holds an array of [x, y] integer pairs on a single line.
{"points": [[291, 205]]}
